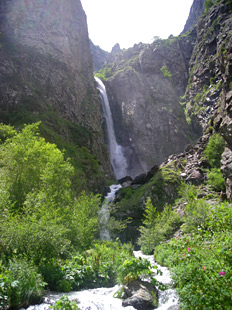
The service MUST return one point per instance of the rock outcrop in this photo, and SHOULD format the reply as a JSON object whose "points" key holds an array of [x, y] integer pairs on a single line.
{"points": [[197, 9], [140, 295], [46, 74], [99, 56], [144, 90]]}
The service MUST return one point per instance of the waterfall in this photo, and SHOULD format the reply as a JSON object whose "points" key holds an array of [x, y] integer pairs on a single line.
{"points": [[117, 158], [104, 213]]}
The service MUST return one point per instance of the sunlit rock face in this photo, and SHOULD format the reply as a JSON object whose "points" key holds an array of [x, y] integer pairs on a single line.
{"points": [[46, 68]]}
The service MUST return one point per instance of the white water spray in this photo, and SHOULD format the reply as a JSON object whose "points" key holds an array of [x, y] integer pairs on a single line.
{"points": [[103, 298], [104, 213], [117, 158]]}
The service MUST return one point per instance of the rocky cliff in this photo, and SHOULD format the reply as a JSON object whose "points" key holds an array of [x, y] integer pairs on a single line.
{"points": [[197, 9], [208, 110], [46, 74], [144, 88]]}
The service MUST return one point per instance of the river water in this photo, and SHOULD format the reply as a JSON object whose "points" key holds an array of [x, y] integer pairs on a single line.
{"points": [[103, 298]]}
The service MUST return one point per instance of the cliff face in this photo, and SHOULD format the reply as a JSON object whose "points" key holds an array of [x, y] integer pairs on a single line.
{"points": [[144, 89], [197, 9], [46, 73]]}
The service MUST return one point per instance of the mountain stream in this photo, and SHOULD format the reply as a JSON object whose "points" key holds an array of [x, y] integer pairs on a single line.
{"points": [[103, 298]]}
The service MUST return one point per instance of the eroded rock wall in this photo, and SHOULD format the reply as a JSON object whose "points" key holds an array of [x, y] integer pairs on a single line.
{"points": [[144, 90]]}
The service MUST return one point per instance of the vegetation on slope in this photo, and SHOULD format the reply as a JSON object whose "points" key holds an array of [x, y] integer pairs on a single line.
{"points": [[200, 255]]}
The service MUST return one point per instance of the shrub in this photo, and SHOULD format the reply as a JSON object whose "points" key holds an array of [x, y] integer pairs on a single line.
{"points": [[166, 72], [64, 304], [214, 150], [208, 4], [216, 180], [157, 226], [132, 268], [95, 267], [20, 285], [196, 214], [201, 262]]}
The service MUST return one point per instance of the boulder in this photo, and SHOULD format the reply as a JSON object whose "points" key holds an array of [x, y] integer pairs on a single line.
{"points": [[145, 177], [125, 179], [140, 295], [196, 177], [226, 167]]}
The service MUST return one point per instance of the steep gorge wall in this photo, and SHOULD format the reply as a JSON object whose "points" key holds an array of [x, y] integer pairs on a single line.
{"points": [[144, 89], [46, 74]]}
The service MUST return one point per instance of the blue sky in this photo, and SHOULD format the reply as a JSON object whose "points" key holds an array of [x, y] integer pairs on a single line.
{"points": [[132, 21]]}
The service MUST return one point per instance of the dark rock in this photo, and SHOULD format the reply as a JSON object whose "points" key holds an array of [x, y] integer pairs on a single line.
{"points": [[125, 179], [140, 295], [140, 179], [145, 177], [152, 172]]}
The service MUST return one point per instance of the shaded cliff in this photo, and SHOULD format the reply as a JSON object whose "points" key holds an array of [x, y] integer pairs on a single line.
{"points": [[208, 109], [144, 88], [46, 74]]}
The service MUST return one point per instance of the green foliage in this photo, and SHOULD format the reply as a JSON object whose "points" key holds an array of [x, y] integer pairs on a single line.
{"points": [[157, 226], [132, 268], [64, 304], [83, 221], [29, 164], [40, 216], [196, 214], [6, 132], [214, 150], [166, 72], [93, 268], [104, 73], [208, 4], [201, 262], [20, 284], [187, 192], [216, 180]]}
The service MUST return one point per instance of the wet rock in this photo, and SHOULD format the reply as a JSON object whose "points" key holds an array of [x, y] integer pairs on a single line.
{"points": [[145, 177], [125, 179], [140, 295]]}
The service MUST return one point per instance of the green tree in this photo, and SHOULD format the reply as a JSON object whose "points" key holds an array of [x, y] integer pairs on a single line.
{"points": [[29, 165], [157, 226], [214, 150]]}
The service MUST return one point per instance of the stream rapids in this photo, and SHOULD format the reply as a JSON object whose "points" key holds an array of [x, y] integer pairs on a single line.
{"points": [[103, 298]]}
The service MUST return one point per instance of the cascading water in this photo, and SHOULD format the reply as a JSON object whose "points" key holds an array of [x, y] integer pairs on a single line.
{"points": [[104, 212], [117, 158], [103, 298]]}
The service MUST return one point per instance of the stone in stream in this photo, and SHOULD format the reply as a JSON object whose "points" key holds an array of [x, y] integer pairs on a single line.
{"points": [[141, 295]]}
